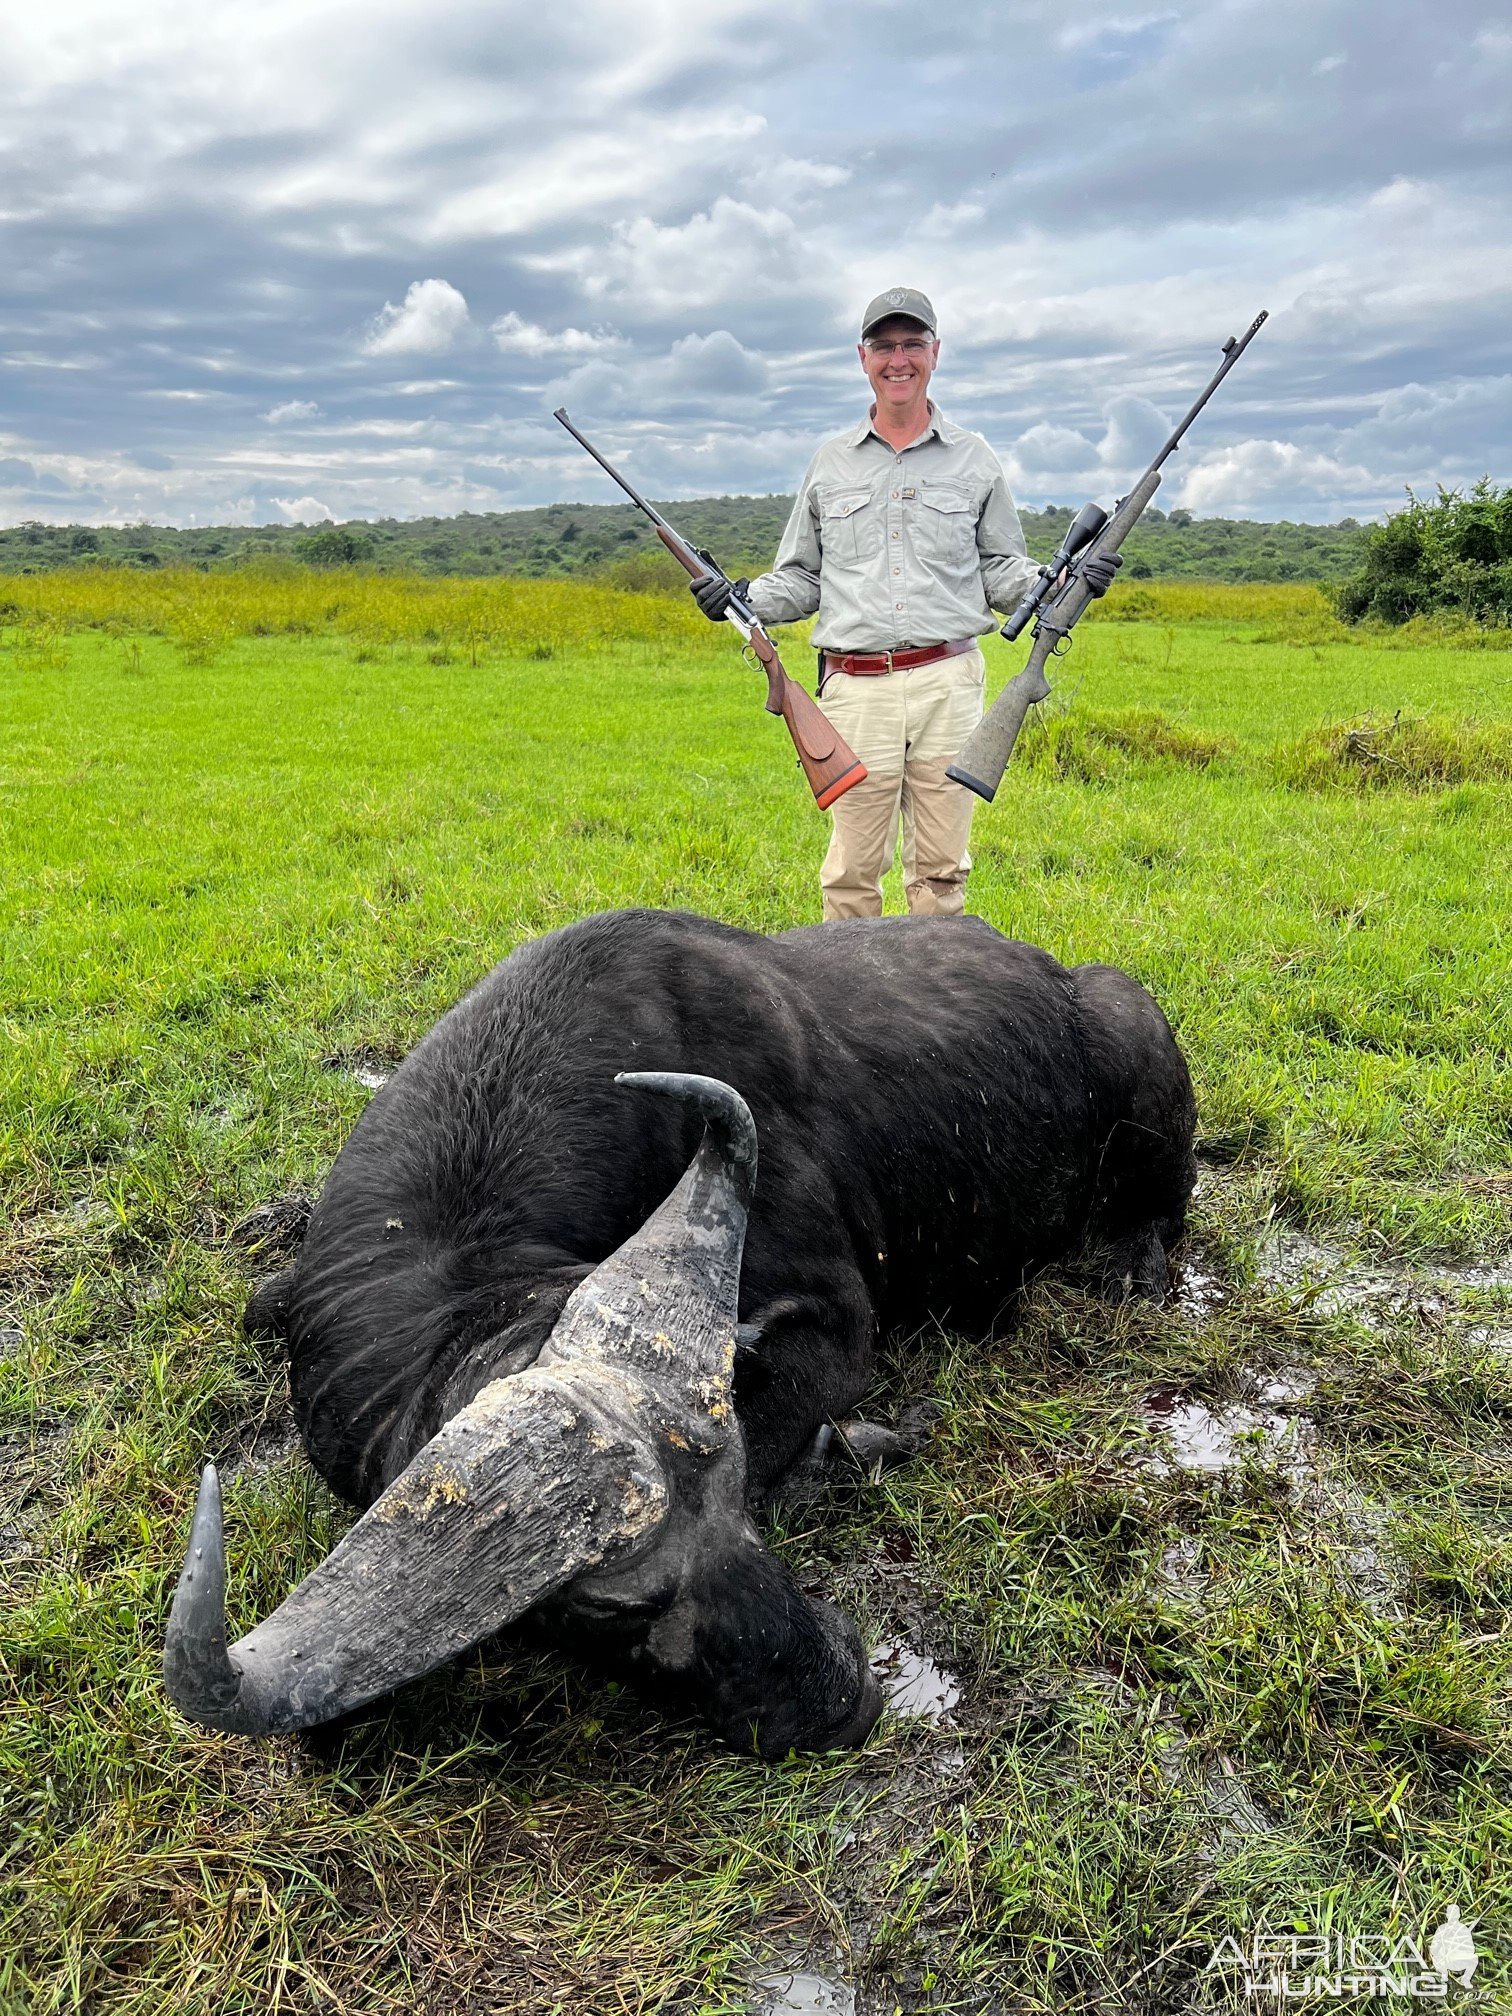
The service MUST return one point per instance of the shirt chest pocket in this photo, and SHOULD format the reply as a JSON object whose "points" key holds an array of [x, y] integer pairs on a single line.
{"points": [[945, 524], [850, 525]]}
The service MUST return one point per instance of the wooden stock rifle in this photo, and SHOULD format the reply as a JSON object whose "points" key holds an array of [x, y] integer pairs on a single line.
{"points": [[829, 763], [1056, 602]]}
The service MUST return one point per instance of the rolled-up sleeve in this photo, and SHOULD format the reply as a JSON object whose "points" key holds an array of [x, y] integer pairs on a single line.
{"points": [[791, 590], [1007, 570]]}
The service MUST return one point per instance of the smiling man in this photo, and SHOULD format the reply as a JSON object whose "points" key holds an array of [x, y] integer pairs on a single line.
{"points": [[904, 538]]}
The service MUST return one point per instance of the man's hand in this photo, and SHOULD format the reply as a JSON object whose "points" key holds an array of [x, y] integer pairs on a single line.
{"points": [[1098, 570], [712, 593]]}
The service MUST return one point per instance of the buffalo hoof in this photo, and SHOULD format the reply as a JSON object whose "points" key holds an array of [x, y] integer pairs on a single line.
{"points": [[877, 1448], [266, 1315], [1132, 1269]]}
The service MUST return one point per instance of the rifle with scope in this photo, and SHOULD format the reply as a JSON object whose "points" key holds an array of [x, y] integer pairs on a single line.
{"points": [[829, 763], [1060, 596]]}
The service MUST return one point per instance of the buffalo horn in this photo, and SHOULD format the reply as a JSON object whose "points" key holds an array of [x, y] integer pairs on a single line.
{"points": [[545, 1475]]}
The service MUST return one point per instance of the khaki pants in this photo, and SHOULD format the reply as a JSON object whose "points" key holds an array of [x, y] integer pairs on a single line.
{"points": [[906, 727]]}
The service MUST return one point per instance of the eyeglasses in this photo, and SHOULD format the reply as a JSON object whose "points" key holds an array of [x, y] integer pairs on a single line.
{"points": [[908, 346]]}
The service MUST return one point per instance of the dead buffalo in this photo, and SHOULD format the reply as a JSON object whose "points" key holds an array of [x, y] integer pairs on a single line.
{"points": [[557, 1387]]}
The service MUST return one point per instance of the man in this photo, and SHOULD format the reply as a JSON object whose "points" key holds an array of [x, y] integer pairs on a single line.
{"points": [[904, 537]]}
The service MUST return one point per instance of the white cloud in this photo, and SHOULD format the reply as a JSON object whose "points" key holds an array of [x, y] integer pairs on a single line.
{"points": [[305, 510], [786, 179], [1249, 475], [513, 333], [943, 220], [1086, 34], [696, 373], [292, 409], [1326, 63], [1046, 449], [716, 363], [724, 253], [433, 316]]}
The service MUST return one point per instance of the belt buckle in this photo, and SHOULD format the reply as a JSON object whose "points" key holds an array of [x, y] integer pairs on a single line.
{"points": [[890, 665]]}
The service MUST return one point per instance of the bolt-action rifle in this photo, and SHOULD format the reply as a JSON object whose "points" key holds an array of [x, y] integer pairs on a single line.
{"points": [[829, 763], [1054, 605]]}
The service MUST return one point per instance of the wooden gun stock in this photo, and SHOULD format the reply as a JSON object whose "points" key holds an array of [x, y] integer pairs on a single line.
{"points": [[829, 763]]}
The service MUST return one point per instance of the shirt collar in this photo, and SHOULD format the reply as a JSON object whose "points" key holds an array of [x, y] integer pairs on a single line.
{"points": [[938, 425]]}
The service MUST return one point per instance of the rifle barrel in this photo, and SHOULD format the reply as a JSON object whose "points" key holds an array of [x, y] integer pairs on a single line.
{"points": [[609, 469], [1233, 350]]}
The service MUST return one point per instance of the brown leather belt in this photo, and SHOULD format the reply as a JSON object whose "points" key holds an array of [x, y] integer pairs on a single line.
{"points": [[868, 662]]}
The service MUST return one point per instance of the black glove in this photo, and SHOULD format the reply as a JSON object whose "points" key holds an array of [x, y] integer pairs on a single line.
{"points": [[1098, 570], [712, 593]]}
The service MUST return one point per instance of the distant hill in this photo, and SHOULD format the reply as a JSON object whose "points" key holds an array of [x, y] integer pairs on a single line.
{"points": [[613, 540]]}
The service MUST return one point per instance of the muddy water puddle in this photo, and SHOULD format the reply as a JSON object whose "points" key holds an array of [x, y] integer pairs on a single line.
{"points": [[369, 1067], [1200, 1288], [912, 1683], [1335, 1283], [1204, 1440], [802, 1994], [1210, 1440]]}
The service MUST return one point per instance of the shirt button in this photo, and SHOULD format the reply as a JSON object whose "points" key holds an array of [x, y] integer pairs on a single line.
{"points": [[895, 535], [895, 496], [897, 605], [897, 570]]}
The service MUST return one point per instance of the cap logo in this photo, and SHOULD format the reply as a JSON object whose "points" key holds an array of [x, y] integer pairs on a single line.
{"points": [[895, 296]]}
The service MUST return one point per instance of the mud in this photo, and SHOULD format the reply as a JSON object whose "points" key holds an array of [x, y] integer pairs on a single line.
{"points": [[1234, 1815], [264, 1446], [32, 1486], [275, 1229], [1231, 1813], [1200, 1288], [1210, 1440]]}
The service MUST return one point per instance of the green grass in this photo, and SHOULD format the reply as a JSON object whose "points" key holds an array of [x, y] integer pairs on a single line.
{"points": [[229, 857]]}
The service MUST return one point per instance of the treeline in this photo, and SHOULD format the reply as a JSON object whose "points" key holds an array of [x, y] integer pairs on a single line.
{"points": [[613, 542]]}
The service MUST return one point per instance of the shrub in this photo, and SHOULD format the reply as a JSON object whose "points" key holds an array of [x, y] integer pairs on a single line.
{"points": [[1421, 753], [1092, 748], [1450, 557], [334, 546]]}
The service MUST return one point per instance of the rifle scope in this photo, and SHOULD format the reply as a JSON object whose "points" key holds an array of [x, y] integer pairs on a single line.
{"points": [[1080, 533]]}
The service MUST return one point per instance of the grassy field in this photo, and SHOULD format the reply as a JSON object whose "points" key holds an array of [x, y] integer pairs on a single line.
{"points": [[260, 830]]}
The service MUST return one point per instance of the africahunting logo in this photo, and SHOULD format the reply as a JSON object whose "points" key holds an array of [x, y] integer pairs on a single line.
{"points": [[1321, 1966]]}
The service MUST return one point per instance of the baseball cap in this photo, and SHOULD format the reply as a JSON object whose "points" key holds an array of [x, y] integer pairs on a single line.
{"points": [[899, 301]]}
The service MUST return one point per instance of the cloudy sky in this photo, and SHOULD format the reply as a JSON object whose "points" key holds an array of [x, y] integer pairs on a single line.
{"points": [[315, 258]]}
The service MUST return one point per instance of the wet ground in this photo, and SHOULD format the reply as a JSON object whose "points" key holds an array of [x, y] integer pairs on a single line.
{"points": [[1334, 1282], [368, 1066], [938, 1728]]}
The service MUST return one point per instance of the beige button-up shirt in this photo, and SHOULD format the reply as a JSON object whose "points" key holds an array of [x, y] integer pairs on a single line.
{"points": [[898, 547]]}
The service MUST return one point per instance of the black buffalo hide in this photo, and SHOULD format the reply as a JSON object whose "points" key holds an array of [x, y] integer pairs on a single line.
{"points": [[941, 1113]]}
